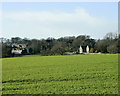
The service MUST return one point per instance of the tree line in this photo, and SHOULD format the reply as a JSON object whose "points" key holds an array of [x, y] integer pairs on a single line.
{"points": [[63, 45]]}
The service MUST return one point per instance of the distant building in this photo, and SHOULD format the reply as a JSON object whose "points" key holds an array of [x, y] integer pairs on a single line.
{"points": [[18, 49], [84, 49], [87, 49], [80, 50]]}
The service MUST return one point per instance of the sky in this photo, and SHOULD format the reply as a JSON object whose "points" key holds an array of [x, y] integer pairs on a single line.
{"points": [[58, 19]]}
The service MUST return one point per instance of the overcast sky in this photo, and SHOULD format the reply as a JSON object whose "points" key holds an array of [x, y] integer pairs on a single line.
{"points": [[58, 19]]}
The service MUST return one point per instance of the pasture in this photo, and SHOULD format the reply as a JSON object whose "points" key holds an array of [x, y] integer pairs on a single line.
{"points": [[70, 74]]}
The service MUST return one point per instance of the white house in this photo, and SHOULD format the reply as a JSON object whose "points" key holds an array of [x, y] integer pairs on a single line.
{"points": [[17, 48]]}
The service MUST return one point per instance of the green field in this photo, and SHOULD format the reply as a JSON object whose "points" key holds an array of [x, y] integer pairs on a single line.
{"points": [[72, 74]]}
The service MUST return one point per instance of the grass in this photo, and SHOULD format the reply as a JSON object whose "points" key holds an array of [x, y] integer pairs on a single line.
{"points": [[73, 74]]}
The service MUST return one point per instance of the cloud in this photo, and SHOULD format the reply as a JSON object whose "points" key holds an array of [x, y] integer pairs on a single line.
{"points": [[45, 24], [79, 15]]}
